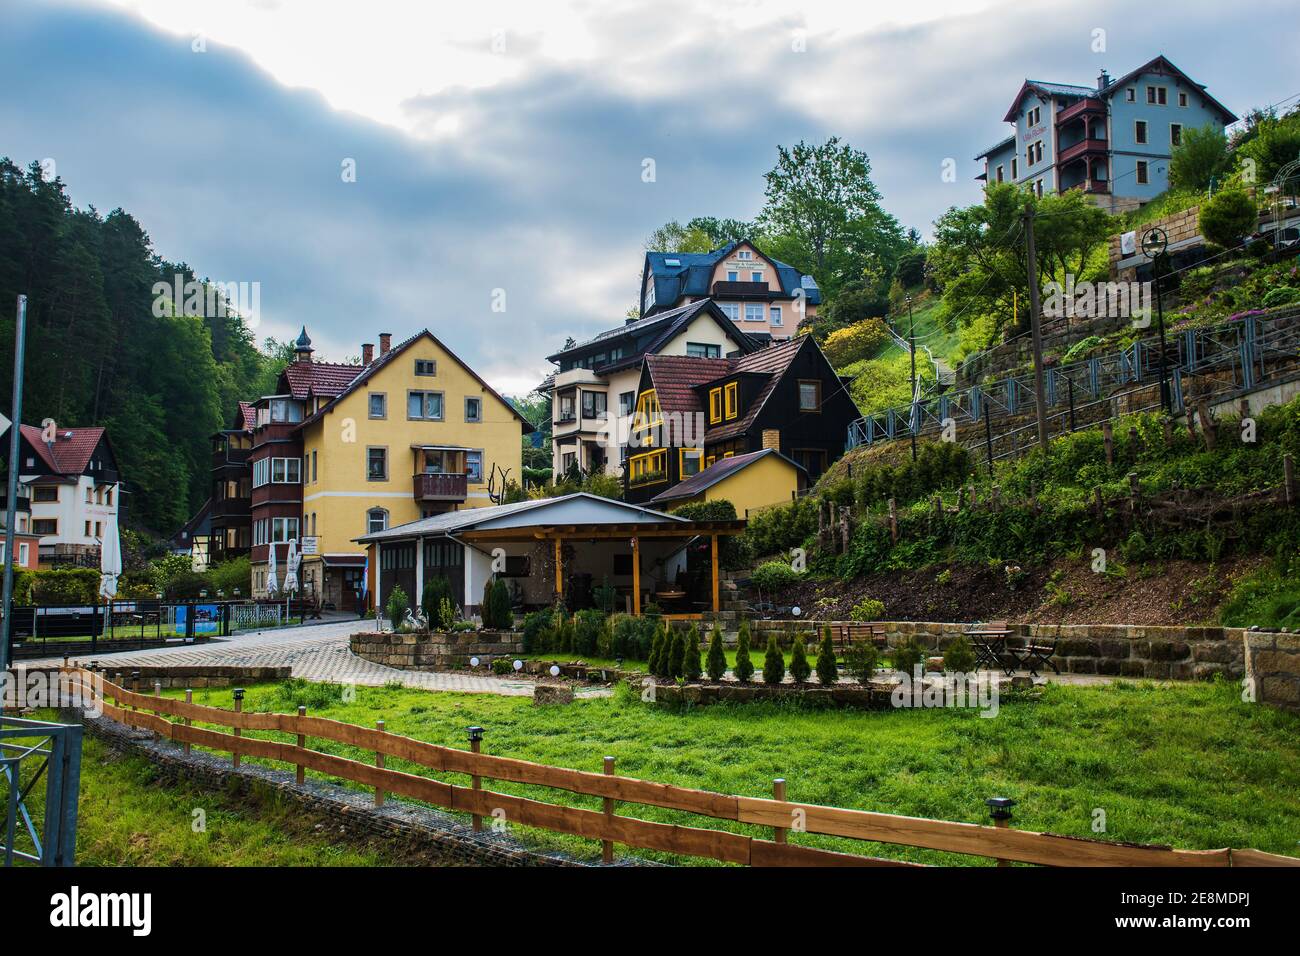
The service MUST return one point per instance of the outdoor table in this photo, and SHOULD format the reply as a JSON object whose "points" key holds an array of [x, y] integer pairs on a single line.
{"points": [[991, 648]]}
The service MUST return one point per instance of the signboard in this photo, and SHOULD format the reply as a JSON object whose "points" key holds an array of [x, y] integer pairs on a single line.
{"points": [[309, 545], [205, 618], [1128, 243]]}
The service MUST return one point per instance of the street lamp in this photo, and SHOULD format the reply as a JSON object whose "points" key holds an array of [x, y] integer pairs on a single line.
{"points": [[1155, 244], [911, 347]]}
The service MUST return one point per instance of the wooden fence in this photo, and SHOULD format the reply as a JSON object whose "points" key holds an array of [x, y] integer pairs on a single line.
{"points": [[152, 712]]}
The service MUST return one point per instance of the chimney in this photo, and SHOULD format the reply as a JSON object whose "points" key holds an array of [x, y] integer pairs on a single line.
{"points": [[1103, 81], [385, 342], [367, 353]]}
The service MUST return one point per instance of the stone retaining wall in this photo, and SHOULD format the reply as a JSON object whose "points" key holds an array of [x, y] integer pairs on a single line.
{"points": [[1114, 650], [1273, 665], [434, 651]]}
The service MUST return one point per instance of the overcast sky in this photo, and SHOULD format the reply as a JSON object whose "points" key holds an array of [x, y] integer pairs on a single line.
{"points": [[500, 146]]}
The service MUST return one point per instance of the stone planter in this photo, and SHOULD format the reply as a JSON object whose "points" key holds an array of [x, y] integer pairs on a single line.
{"points": [[435, 650]]}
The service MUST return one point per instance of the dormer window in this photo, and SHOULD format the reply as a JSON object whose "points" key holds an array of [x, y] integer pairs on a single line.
{"points": [[744, 254]]}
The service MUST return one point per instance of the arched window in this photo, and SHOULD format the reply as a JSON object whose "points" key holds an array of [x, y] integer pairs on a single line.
{"points": [[376, 520]]}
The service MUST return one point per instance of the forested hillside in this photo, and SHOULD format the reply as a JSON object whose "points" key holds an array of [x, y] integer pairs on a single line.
{"points": [[98, 355]]}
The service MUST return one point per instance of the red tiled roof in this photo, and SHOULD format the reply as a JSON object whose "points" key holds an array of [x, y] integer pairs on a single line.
{"points": [[247, 410], [773, 361], [676, 377], [70, 451], [328, 379]]}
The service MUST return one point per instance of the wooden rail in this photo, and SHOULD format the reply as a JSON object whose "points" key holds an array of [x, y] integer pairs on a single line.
{"points": [[150, 712]]}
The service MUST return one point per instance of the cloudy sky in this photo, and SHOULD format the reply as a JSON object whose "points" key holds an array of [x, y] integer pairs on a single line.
{"points": [[500, 146]]}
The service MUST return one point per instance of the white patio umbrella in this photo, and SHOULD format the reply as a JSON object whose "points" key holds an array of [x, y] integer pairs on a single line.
{"points": [[271, 586], [110, 560]]}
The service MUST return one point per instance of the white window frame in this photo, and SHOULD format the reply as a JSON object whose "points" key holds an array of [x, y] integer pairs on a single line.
{"points": [[731, 310], [754, 312], [478, 416], [474, 453], [280, 528], [774, 315], [424, 406], [744, 254], [1141, 132]]}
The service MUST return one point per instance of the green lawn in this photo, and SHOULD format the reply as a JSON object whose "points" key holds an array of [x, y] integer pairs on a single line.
{"points": [[1187, 765], [127, 817]]}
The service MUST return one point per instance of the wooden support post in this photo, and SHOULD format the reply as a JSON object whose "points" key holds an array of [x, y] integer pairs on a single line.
{"points": [[379, 762], [974, 497], [239, 708], [157, 692], [893, 521], [1108, 439], [778, 793], [1207, 423], [713, 554], [1288, 479], [636, 577], [1100, 505], [302, 745], [559, 570], [476, 782], [607, 846], [1191, 426], [938, 506], [1133, 491], [1000, 811], [961, 497], [1134, 442], [189, 699], [995, 498], [1168, 425]]}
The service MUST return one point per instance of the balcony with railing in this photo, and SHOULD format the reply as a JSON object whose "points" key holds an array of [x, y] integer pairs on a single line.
{"points": [[1085, 106], [741, 290], [441, 487], [1084, 148]]}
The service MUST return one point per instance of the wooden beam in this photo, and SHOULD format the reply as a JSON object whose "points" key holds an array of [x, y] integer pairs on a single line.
{"points": [[559, 569], [636, 577], [717, 606]]}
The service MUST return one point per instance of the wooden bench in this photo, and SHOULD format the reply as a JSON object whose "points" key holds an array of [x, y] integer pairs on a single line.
{"points": [[845, 635]]}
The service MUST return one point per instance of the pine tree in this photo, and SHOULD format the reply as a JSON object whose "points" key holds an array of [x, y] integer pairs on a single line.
{"points": [[828, 672], [744, 668], [799, 668], [716, 665], [676, 655], [691, 667], [773, 663], [486, 609], [502, 615], [652, 662]]}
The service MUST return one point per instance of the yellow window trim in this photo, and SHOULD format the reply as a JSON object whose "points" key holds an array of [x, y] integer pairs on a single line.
{"points": [[715, 405], [732, 393], [648, 468], [681, 460], [648, 413]]}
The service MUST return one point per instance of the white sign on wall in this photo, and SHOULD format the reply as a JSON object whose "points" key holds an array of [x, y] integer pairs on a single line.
{"points": [[309, 545]]}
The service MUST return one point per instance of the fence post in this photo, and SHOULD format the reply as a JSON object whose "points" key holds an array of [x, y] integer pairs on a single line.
{"points": [[893, 521], [1207, 423], [302, 745], [1000, 811], [1133, 491], [995, 501], [1101, 505], [189, 699], [379, 762], [607, 846], [157, 692], [1135, 442], [1108, 439], [1168, 424], [239, 709], [778, 793], [476, 782]]}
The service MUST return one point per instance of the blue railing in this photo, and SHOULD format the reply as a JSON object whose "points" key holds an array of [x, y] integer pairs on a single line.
{"points": [[1242, 347], [33, 752]]}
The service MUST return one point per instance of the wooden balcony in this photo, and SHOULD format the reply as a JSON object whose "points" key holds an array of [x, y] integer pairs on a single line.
{"points": [[1087, 105], [441, 487], [1079, 150], [741, 290]]}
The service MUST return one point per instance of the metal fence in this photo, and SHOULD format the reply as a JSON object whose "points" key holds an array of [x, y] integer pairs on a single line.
{"points": [[39, 761], [1247, 351]]}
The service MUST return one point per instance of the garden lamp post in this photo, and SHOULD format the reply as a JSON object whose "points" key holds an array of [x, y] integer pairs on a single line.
{"points": [[1155, 244]]}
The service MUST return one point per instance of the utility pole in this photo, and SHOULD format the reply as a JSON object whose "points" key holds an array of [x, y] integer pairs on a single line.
{"points": [[1036, 332], [11, 503], [911, 347]]}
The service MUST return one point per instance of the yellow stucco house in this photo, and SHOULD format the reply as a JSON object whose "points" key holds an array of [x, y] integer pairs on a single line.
{"points": [[414, 432], [751, 481]]}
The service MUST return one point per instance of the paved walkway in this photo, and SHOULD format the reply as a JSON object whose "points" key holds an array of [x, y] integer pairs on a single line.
{"points": [[317, 652]]}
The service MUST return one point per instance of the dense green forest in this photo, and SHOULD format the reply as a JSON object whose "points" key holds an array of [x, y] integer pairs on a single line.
{"points": [[97, 354]]}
